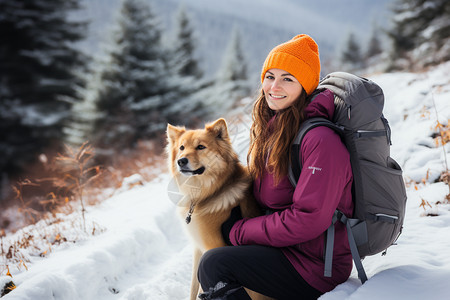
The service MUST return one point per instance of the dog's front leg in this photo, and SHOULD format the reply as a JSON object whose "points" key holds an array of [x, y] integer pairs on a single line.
{"points": [[195, 285]]}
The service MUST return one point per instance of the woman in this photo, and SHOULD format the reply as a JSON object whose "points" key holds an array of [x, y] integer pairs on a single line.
{"points": [[281, 254]]}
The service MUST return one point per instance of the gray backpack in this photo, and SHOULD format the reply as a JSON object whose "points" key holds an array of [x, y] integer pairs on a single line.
{"points": [[378, 189]]}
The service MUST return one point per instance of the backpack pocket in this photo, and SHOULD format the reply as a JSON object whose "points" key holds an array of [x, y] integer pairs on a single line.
{"points": [[382, 205]]}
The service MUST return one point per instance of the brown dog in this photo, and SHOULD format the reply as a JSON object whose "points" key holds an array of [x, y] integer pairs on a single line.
{"points": [[213, 181]]}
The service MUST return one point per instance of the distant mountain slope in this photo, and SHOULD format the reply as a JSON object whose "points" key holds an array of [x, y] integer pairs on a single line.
{"points": [[263, 24]]}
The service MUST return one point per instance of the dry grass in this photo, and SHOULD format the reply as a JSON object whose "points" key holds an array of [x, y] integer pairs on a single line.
{"points": [[55, 203], [441, 139], [74, 179], [41, 239], [76, 173], [68, 177], [9, 286]]}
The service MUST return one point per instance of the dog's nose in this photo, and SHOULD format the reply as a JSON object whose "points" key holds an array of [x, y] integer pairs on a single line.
{"points": [[182, 161]]}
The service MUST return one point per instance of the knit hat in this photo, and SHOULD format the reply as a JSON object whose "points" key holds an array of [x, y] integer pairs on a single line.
{"points": [[299, 57]]}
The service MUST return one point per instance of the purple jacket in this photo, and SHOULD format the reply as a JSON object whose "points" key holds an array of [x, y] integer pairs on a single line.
{"points": [[304, 213]]}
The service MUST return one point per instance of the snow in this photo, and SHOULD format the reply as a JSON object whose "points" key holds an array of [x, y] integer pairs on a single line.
{"points": [[139, 251]]}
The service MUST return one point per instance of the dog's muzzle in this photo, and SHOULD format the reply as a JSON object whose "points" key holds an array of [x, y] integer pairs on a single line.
{"points": [[184, 168]]}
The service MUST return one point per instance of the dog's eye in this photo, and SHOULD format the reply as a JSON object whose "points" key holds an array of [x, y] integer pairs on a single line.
{"points": [[200, 147], [182, 148]]}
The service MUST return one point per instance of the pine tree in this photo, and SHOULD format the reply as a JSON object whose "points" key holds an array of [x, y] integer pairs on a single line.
{"points": [[374, 48], [183, 60], [133, 92], [186, 80], [80, 126], [231, 83], [39, 67], [420, 34], [234, 67], [351, 57]]}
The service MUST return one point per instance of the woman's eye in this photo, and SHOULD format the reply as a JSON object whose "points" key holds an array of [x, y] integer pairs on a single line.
{"points": [[288, 79], [200, 147], [182, 148], [269, 77]]}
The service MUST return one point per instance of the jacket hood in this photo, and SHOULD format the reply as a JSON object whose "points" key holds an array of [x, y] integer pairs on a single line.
{"points": [[321, 105]]}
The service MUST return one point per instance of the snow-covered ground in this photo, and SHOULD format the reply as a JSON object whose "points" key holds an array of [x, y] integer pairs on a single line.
{"points": [[139, 251]]}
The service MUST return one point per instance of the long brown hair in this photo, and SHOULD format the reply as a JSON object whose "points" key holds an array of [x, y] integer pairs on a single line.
{"points": [[270, 145]]}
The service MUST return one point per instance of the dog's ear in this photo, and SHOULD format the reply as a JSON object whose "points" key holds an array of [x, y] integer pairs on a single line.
{"points": [[174, 132], [219, 128]]}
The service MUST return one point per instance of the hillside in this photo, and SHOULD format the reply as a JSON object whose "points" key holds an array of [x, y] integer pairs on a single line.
{"points": [[262, 24], [134, 247]]}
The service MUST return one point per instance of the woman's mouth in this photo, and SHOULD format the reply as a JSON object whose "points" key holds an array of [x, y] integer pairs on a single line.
{"points": [[277, 96]]}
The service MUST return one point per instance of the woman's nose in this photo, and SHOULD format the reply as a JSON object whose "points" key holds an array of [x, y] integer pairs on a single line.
{"points": [[275, 85]]}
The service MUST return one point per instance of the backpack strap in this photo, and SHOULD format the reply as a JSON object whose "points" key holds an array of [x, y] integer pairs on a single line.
{"points": [[353, 247], [294, 175], [330, 246], [295, 167], [349, 223]]}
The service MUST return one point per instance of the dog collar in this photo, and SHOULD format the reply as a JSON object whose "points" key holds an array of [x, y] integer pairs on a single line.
{"points": [[190, 212]]}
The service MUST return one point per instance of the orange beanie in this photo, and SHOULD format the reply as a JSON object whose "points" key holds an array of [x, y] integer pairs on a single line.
{"points": [[299, 57]]}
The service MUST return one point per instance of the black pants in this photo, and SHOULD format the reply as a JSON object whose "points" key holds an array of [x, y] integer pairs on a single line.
{"points": [[262, 269]]}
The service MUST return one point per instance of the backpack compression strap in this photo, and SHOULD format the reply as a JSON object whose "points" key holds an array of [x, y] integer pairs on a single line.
{"points": [[339, 216]]}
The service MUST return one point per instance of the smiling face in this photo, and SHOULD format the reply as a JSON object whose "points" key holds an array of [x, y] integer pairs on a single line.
{"points": [[281, 89]]}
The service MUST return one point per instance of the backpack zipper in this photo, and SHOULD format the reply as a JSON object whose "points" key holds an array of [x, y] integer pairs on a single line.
{"points": [[387, 216]]}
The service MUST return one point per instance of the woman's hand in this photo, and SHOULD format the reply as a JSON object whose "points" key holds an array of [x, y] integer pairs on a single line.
{"points": [[235, 216]]}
